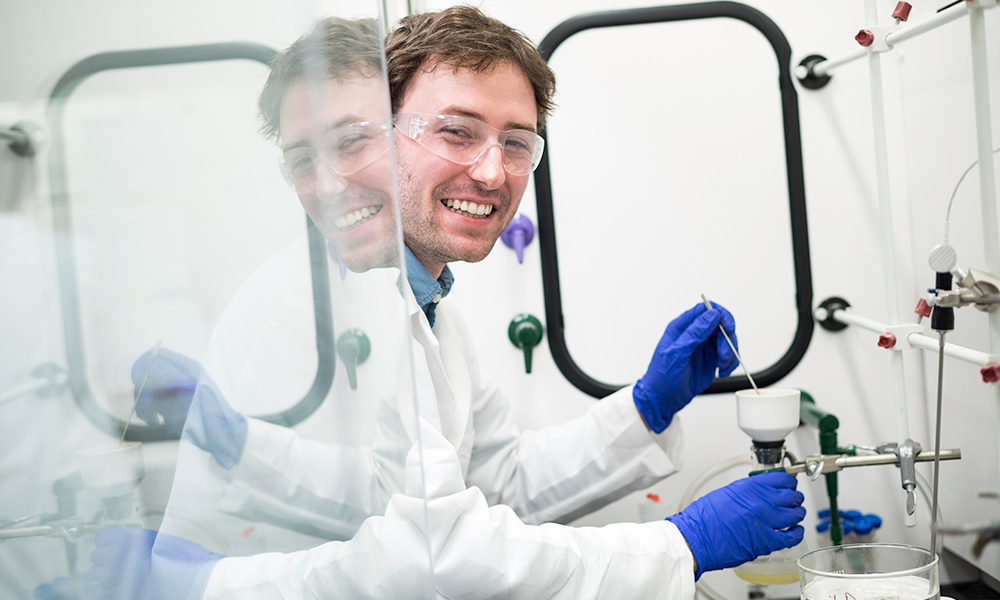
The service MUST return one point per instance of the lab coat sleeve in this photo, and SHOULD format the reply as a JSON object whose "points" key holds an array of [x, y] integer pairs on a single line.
{"points": [[562, 472], [323, 489], [471, 549]]}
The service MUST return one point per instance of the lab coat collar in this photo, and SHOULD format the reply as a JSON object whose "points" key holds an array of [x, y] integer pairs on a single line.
{"points": [[425, 287]]}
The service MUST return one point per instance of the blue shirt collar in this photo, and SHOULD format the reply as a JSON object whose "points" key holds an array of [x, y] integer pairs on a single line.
{"points": [[425, 287]]}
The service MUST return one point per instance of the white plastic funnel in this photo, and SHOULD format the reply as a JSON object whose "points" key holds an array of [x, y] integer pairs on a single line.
{"points": [[768, 416]]}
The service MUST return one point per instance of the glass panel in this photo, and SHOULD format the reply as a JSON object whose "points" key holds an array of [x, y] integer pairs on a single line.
{"points": [[160, 271], [654, 173]]}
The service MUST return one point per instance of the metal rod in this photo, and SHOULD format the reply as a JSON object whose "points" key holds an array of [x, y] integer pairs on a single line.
{"points": [[886, 459], [843, 462], [21, 532], [732, 346], [937, 444], [135, 403]]}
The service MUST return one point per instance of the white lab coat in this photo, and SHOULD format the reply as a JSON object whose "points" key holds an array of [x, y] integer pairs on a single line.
{"points": [[477, 551], [485, 480]]}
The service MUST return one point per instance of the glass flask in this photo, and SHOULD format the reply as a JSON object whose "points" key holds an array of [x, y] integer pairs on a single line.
{"points": [[869, 572]]}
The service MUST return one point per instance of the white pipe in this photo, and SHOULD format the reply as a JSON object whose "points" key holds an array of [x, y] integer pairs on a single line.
{"points": [[823, 68], [987, 179], [24, 389], [919, 27], [928, 24], [925, 342], [849, 318], [919, 340]]}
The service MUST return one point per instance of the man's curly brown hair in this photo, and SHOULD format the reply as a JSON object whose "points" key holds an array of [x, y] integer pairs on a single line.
{"points": [[463, 37]]}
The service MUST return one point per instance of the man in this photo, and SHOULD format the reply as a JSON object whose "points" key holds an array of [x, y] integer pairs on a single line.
{"points": [[469, 95]]}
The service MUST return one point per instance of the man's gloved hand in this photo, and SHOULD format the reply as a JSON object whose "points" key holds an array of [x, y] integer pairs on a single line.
{"points": [[139, 564], [684, 363], [177, 388], [748, 518]]}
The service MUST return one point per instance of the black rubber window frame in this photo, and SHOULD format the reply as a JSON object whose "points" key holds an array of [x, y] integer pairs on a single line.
{"points": [[69, 299], [794, 171]]}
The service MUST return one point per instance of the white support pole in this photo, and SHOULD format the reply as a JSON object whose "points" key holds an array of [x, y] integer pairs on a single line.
{"points": [[987, 177], [888, 239]]}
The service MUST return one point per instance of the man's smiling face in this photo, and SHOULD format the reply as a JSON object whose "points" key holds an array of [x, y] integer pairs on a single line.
{"points": [[436, 194], [355, 212]]}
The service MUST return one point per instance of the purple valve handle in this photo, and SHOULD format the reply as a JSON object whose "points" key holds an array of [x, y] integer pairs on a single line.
{"points": [[518, 234]]}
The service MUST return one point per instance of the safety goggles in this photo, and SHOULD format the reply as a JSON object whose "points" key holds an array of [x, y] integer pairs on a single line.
{"points": [[465, 140], [345, 150]]}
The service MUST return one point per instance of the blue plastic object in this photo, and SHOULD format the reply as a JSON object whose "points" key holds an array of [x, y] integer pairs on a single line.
{"points": [[845, 524], [684, 363], [823, 514], [850, 514], [863, 526], [518, 234], [748, 518]]}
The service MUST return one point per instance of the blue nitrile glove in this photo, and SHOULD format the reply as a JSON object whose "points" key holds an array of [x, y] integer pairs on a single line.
{"points": [[139, 564], [66, 588], [684, 363], [177, 388], [748, 518]]}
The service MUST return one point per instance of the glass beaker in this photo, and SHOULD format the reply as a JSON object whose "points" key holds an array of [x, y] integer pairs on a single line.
{"points": [[869, 572], [776, 568]]}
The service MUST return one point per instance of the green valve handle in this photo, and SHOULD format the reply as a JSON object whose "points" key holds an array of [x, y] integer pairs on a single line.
{"points": [[354, 348], [525, 332]]}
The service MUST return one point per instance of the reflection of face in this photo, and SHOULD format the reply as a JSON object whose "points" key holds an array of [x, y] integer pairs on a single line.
{"points": [[339, 204], [435, 233]]}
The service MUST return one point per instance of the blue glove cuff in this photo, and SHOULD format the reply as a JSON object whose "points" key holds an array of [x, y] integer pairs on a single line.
{"points": [[227, 453], [653, 417], [693, 541], [200, 580]]}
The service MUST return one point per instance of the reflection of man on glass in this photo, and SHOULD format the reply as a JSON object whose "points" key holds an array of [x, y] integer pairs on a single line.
{"points": [[470, 93], [325, 103]]}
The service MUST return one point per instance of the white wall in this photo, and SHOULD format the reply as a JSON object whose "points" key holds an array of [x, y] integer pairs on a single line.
{"points": [[683, 218]]}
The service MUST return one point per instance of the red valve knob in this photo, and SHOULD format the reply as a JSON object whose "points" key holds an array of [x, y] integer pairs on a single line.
{"points": [[865, 38], [902, 11], [923, 309], [887, 340], [991, 372]]}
